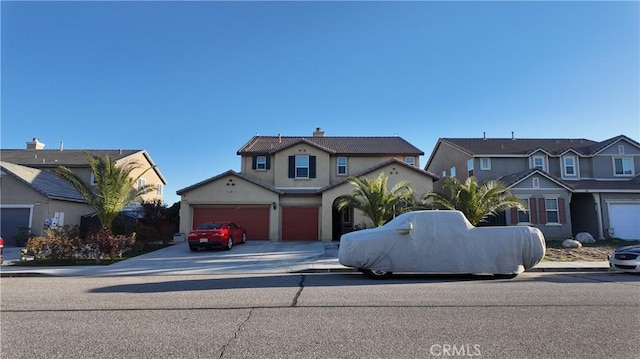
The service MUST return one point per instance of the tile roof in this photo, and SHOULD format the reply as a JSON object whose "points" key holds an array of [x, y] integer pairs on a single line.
{"points": [[55, 158], [45, 182], [525, 146], [334, 145]]}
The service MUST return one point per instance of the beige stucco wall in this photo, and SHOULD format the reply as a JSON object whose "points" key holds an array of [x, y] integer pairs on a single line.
{"points": [[395, 173], [281, 167], [151, 177], [16, 194], [228, 190]]}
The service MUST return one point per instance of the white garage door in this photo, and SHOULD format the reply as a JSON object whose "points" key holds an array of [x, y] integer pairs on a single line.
{"points": [[625, 220]]}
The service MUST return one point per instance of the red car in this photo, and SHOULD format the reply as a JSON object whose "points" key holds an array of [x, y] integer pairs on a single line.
{"points": [[216, 235]]}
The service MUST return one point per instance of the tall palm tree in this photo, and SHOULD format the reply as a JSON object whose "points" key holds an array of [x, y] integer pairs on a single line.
{"points": [[114, 187], [372, 198], [476, 202]]}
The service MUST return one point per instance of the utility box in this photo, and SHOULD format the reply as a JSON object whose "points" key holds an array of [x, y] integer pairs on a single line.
{"points": [[178, 237]]}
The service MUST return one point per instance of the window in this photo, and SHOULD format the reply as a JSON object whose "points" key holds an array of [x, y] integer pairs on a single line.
{"points": [[569, 166], [159, 189], [302, 166], [470, 168], [444, 174], [342, 166], [141, 183], [538, 162], [623, 166], [410, 160], [485, 164], [453, 171], [551, 205], [92, 181], [261, 163], [523, 216]]}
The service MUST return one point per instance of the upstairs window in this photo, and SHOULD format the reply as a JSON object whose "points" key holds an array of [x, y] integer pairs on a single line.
{"points": [[302, 167], [622, 166], [92, 181], [342, 166], [452, 171], [141, 183], [410, 160], [539, 162], [569, 166], [485, 164], [470, 168], [159, 189], [260, 163]]}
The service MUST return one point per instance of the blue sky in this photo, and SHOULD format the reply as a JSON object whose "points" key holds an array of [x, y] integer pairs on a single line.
{"points": [[192, 82]]}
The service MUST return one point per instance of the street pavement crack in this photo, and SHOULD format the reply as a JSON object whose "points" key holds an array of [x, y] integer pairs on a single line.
{"points": [[235, 334], [295, 299]]}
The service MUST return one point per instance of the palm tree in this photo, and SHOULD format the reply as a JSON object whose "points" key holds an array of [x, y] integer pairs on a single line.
{"points": [[372, 198], [476, 202], [114, 187]]}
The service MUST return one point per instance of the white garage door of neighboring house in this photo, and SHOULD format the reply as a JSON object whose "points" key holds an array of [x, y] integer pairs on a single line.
{"points": [[625, 220], [11, 220]]}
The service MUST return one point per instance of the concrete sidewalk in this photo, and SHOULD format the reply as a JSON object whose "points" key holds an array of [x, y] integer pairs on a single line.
{"points": [[253, 257]]}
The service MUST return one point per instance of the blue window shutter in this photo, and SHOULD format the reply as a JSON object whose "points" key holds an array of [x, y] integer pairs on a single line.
{"points": [[268, 162], [312, 166], [254, 160], [292, 166]]}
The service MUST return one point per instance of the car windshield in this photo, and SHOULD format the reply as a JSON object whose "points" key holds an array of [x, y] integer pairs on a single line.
{"points": [[210, 226]]}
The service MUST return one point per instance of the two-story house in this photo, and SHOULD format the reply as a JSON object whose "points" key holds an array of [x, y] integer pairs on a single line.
{"points": [[568, 185], [287, 186], [32, 197]]}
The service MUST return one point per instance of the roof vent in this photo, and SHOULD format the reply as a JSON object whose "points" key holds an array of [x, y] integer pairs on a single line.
{"points": [[318, 132], [513, 136]]}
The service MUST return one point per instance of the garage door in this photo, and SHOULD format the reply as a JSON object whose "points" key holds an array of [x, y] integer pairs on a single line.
{"points": [[11, 220], [254, 219], [624, 219], [299, 223]]}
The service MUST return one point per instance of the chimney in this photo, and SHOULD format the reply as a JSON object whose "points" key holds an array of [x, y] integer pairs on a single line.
{"points": [[35, 144], [513, 137], [318, 132]]}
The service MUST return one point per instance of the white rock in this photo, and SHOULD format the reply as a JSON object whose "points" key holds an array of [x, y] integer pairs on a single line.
{"points": [[585, 237], [570, 243]]}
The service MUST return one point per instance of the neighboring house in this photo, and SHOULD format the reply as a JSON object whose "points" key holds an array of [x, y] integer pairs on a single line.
{"points": [[32, 196], [287, 186], [568, 185]]}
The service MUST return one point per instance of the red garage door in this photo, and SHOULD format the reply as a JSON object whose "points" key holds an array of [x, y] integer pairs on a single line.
{"points": [[254, 219], [299, 223]]}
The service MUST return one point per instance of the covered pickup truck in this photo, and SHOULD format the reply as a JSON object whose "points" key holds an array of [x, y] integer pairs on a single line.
{"points": [[441, 241]]}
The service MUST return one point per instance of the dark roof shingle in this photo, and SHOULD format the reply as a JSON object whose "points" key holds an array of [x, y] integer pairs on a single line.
{"points": [[334, 145]]}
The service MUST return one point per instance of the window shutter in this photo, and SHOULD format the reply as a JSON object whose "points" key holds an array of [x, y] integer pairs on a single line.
{"points": [[292, 166], [533, 210], [514, 215], [561, 212], [254, 161], [312, 166], [542, 210], [268, 162]]}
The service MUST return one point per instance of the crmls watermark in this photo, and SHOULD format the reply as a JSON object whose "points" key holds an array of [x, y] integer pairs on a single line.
{"points": [[455, 350]]}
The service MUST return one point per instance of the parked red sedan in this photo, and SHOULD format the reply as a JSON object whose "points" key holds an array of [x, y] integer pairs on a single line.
{"points": [[216, 235]]}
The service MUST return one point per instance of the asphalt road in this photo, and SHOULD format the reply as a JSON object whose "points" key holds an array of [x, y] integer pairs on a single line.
{"points": [[332, 315]]}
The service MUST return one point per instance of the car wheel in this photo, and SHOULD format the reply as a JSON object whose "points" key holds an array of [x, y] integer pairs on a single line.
{"points": [[377, 273], [244, 238], [229, 243]]}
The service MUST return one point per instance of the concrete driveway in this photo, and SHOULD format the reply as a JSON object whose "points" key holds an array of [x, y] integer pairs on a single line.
{"points": [[251, 257]]}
